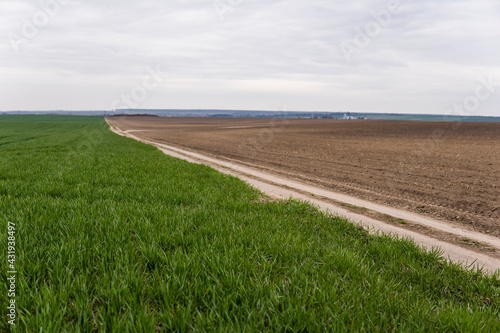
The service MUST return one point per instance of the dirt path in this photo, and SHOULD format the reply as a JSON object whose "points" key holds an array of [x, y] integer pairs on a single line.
{"points": [[458, 244]]}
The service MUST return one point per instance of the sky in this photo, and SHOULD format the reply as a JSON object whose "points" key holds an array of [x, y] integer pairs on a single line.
{"points": [[397, 56]]}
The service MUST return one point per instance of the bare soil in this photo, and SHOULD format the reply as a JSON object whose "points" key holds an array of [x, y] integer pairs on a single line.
{"points": [[448, 171]]}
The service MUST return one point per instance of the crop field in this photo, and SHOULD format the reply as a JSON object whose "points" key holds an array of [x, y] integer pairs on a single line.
{"points": [[113, 235], [445, 170]]}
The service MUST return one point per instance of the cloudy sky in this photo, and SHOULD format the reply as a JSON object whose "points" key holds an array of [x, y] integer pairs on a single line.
{"points": [[330, 55]]}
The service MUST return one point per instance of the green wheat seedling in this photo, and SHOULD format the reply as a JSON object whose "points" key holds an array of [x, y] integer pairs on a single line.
{"points": [[119, 237]]}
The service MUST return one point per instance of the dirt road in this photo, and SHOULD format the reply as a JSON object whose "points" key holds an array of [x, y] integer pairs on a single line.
{"points": [[367, 169]]}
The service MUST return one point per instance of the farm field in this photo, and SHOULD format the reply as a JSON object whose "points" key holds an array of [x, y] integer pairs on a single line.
{"points": [[113, 235], [445, 170]]}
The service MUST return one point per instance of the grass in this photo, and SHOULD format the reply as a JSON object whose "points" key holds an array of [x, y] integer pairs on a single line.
{"points": [[390, 218], [114, 236]]}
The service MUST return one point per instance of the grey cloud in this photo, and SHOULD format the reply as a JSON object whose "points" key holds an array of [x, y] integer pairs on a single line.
{"points": [[428, 48]]}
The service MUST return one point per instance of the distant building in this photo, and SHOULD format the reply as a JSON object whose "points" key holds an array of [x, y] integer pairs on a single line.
{"points": [[347, 116]]}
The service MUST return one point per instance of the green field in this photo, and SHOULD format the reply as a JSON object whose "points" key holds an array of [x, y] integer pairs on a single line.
{"points": [[114, 236]]}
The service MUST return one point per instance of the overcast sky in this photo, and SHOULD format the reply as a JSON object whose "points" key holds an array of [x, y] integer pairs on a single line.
{"points": [[328, 55]]}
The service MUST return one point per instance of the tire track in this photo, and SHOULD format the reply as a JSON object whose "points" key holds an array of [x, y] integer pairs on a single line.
{"points": [[282, 188]]}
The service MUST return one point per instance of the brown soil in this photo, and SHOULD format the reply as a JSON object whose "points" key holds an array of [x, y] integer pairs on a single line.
{"points": [[449, 171]]}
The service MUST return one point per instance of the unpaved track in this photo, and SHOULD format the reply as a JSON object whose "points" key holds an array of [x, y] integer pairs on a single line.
{"points": [[486, 256]]}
